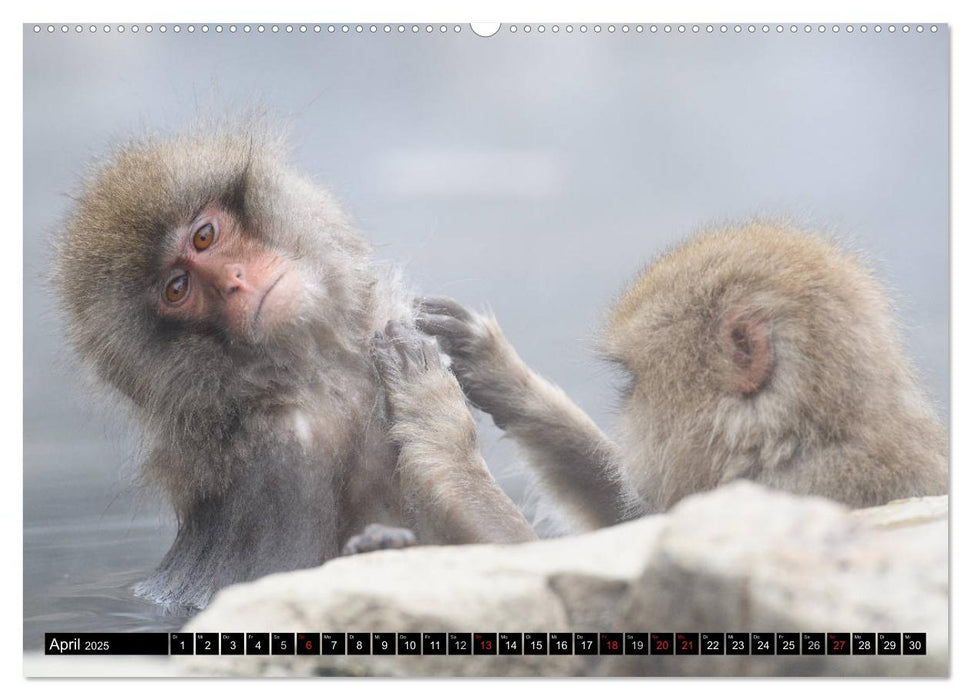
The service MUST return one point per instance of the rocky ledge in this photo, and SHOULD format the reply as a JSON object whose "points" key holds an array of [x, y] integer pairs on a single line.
{"points": [[739, 559]]}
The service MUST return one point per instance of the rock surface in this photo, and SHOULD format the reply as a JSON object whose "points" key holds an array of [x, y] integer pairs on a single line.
{"points": [[739, 559]]}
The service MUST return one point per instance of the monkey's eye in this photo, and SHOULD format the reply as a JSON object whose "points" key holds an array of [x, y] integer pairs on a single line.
{"points": [[204, 236], [176, 290]]}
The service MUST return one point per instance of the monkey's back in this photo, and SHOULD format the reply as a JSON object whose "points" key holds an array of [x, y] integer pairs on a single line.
{"points": [[840, 412]]}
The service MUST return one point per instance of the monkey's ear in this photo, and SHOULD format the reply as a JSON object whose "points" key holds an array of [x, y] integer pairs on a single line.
{"points": [[746, 338]]}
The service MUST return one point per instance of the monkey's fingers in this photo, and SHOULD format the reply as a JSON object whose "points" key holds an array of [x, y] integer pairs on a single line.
{"points": [[376, 536], [441, 325], [385, 358], [445, 307], [454, 336], [408, 343], [432, 353]]}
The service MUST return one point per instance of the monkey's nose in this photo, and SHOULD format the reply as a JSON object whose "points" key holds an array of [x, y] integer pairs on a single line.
{"points": [[233, 278]]}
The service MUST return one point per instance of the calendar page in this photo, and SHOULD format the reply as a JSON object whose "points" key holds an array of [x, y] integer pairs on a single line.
{"points": [[545, 349]]}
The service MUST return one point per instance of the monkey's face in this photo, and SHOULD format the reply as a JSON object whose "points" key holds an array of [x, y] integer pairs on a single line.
{"points": [[214, 274], [197, 270]]}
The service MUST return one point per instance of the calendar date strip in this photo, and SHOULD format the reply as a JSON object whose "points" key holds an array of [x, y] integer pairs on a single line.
{"points": [[485, 643]]}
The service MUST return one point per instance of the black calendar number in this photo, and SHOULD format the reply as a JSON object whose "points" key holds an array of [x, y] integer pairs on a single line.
{"points": [[838, 643], [510, 643], [433, 643], [712, 643], [333, 643], [637, 643], [207, 643], [611, 643], [358, 643], [231, 643], [585, 643], [308, 643], [737, 643], [763, 643], [409, 643], [485, 643], [536, 643], [180, 643], [459, 644], [864, 644], [257, 644], [383, 644], [662, 643], [787, 643], [888, 643], [686, 643], [915, 643], [561, 643], [282, 643], [813, 643]]}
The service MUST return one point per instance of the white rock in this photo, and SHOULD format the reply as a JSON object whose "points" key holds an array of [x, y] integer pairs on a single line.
{"points": [[739, 559]]}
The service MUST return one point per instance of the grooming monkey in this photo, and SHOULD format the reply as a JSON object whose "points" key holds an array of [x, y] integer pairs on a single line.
{"points": [[755, 352], [229, 299]]}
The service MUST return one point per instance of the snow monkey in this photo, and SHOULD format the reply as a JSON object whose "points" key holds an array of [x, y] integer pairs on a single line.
{"points": [[228, 299], [756, 352]]}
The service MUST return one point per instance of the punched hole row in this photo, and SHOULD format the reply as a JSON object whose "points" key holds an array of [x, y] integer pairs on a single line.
{"points": [[512, 28]]}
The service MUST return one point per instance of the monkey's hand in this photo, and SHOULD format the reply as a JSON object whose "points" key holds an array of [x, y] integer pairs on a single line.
{"points": [[571, 455], [487, 367], [403, 357], [377, 536], [447, 488]]}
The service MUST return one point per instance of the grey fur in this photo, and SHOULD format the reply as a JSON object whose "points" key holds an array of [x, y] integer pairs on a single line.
{"points": [[441, 469], [756, 351], [569, 454], [272, 450]]}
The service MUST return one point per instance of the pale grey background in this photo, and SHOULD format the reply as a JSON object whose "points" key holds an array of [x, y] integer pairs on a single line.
{"points": [[531, 173]]}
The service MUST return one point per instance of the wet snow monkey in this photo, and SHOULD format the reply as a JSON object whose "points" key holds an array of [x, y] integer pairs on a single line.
{"points": [[229, 300]]}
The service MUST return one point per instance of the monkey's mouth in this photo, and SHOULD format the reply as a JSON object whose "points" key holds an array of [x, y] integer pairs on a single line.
{"points": [[259, 307]]}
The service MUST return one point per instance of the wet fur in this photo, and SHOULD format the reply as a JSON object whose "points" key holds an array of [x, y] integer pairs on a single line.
{"points": [[272, 453]]}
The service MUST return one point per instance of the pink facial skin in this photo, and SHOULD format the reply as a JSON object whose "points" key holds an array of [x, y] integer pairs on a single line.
{"points": [[217, 275]]}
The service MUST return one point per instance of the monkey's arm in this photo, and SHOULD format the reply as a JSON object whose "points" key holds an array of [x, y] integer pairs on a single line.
{"points": [[449, 493], [576, 462]]}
